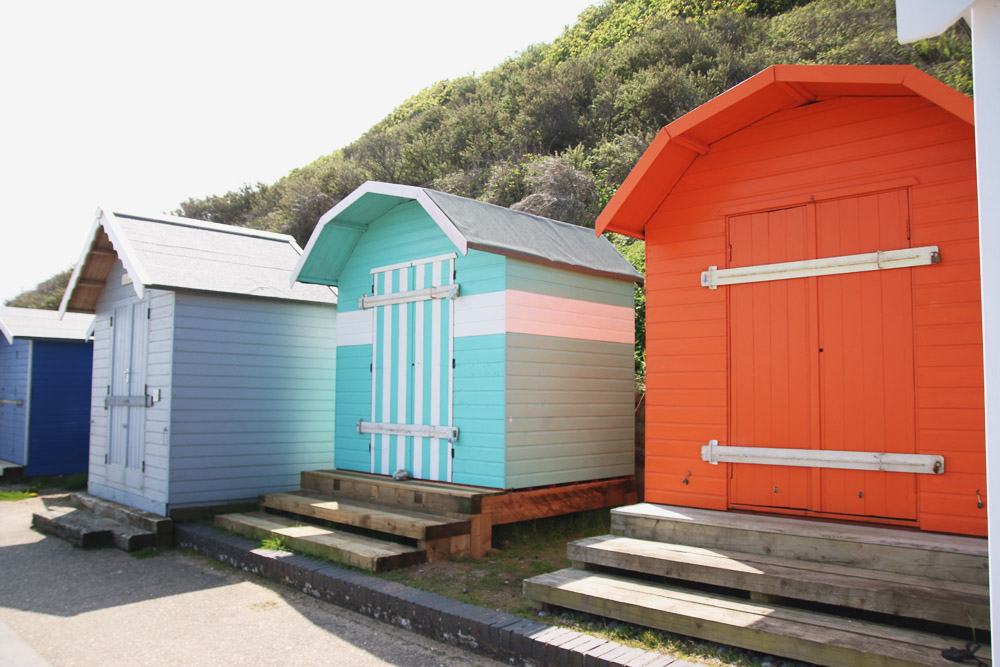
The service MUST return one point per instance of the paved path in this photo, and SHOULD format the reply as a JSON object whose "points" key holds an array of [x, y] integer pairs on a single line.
{"points": [[103, 607]]}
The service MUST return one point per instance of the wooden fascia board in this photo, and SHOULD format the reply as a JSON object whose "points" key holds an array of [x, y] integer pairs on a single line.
{"points": [[939, 93], [74, 277]]}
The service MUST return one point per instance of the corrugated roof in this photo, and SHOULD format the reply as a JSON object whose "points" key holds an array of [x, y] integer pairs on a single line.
{"points": [[468, 223], [34, 323], [166, 252], [775, 89]]}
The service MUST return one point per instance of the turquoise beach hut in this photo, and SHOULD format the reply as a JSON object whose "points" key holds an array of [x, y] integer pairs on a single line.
{"points": [[475, 344]]}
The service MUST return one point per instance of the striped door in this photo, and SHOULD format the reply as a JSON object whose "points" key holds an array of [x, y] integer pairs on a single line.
{"points": [[127, 423], [412, 352]]}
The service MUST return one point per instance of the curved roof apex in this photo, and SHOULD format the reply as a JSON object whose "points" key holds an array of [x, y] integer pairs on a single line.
{"points": [[775, 89], [468, 224]]}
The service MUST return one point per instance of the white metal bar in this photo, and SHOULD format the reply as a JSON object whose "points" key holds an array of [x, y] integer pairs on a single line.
{"points": [[451, 372], [929, 464], [7, 401], [416, 262], [402, 372], [825, 266], [405, 430], [386, 374], [435, 467], [440, 292]]}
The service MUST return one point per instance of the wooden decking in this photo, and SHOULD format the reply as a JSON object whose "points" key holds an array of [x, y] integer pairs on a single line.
{"points": [[832, 594], [428, 520]]}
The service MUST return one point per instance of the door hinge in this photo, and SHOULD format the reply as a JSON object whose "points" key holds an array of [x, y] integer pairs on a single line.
{"points": [[453, 363], [111, 321], [144, 466], [454, 275], [907, 228], [105, 459], [371, 367], [730, 252], [147, 313], [453, 453]]}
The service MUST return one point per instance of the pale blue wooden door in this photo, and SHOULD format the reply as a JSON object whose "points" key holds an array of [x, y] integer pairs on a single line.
{"points": [[412, 351], [127, 421]]}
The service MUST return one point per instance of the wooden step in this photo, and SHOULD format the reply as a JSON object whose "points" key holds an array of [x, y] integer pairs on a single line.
{"points": [[872, 590], [350, 512], [932, 555], [453, 500], [366, 553], [771, 629]]}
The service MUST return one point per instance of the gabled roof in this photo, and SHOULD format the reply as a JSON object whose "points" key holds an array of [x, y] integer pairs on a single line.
{"points": [[34, 323], [775, 89], [468, 223], [167, 252]]}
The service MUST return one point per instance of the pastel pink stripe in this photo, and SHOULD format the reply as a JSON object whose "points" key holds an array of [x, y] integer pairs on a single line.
{"points": [[543, 315]]}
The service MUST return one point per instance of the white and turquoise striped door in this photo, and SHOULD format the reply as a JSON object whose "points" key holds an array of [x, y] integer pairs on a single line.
{"points": [[412, 350]]}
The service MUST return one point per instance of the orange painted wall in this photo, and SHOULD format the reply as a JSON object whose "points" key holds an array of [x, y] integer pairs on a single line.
{"points": [[839, 147]]}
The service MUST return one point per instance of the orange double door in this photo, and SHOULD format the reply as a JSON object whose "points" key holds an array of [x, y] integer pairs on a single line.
{"points": [[823, 363]]}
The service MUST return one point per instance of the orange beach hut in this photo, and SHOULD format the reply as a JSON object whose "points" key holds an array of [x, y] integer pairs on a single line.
{"points": [[813, 300]]}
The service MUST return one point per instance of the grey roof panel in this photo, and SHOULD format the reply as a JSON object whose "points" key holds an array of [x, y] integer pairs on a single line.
{"points": [[505, 231], [181, 254], [34, 323]]}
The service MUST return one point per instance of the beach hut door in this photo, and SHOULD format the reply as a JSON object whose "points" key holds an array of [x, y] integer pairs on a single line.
{"points": [[412, 368], [825, 363], [126, 401]]}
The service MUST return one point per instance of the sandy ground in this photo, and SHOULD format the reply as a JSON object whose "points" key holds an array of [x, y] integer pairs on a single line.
{"points": [[104, 607]]}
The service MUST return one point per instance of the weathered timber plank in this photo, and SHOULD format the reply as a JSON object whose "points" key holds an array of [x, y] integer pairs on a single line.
{"points": [[791, 633], [356, 550], [946, 557], [350, 512], [872, 590], [434, 498], [556, 500]]}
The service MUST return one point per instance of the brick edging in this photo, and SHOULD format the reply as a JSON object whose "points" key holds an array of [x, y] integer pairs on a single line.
{"points": [[486, 631]]}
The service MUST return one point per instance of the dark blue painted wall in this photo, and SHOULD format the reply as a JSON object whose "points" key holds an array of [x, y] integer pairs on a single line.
{"points": [[59, 423]]}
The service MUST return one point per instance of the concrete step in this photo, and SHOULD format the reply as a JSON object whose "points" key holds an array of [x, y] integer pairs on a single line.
{"points": [[946, 557], [359, 551], [871, 590], [773, 629], [452, 500], [160, 526], [10, 471], [88, 530], [379, 518]]}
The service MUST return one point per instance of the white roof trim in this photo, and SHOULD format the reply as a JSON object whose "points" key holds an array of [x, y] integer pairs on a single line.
{"points": [[104, 218], [921, 19], [7, 333], [393, 190]]}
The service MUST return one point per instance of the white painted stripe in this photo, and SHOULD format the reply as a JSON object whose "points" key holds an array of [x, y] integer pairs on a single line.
{"points": [[418, 374], [435, 373], [451, 366], [375, 357], [402, 371], [481, 314], [386, 373], [355, 327], [416, 262]]}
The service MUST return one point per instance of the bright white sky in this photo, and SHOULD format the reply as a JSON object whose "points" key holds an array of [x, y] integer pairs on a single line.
{"points": [[139, 106]]}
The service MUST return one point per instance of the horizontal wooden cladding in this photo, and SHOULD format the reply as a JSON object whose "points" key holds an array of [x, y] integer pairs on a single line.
{"points": [[569, 410], [817, 148]]}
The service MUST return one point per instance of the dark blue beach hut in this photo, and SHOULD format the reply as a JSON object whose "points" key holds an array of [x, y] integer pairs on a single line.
{"points": [[45, 375]]}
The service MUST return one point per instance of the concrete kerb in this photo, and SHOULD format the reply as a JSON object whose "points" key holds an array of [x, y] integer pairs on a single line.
{"points": [[487, 631]]}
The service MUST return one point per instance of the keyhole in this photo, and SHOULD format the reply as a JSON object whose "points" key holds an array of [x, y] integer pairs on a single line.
{"points": [[861, 494], [775, 489]]}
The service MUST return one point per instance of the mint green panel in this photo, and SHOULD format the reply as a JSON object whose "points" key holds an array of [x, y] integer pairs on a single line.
{"points": [[542, 279], [354, 392], [407, 233], [479, 410]]}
